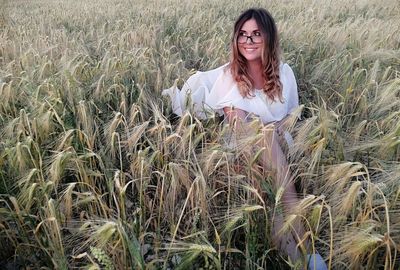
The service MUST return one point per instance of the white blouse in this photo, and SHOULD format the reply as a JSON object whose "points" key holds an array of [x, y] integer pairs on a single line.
{"points": [[216, 89]]}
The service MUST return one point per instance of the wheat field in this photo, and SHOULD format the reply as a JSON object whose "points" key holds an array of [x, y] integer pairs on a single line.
{"points": [[95, 172]]}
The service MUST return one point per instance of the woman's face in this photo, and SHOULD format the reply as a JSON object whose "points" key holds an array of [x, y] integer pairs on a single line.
{"points": [[250, 48]]}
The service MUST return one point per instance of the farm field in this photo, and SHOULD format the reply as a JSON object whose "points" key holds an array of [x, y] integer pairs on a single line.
{"points": [[96, 173]]}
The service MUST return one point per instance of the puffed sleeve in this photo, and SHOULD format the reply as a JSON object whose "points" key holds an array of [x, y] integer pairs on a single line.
{"points": [[194, 92], [290, 86], [225, 93]]}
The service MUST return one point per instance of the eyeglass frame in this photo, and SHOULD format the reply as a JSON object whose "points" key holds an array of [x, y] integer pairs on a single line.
{"points": [[249, 37]]}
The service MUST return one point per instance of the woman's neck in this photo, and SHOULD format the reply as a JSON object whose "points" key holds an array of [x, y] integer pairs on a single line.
{"points": [[255, 71]]}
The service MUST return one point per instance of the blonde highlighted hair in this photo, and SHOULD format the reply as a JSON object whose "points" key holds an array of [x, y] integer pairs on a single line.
{"points": [[270, 57]]}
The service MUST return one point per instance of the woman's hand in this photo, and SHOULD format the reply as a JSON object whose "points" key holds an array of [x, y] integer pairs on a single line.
{"points": [[286, 124], [237, 121], [235, 115]]}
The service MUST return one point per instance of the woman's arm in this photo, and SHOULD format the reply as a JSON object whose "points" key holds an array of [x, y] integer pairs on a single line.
{"points": [[288, 122], [233, 115], [236, 119], [282, 125]]}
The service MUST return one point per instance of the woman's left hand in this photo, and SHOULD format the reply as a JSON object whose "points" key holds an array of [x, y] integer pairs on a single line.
{"points": [[281, 126]]}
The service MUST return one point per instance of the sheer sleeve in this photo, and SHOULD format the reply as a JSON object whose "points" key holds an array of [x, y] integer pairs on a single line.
{"points": [[193, 94], [225, 93], [290, 88]]}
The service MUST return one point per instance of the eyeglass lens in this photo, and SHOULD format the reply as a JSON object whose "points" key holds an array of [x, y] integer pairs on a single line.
{"points": [[253, 39]]}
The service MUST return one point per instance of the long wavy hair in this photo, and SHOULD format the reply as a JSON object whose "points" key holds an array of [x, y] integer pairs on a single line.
{"points": [[270, 57]]}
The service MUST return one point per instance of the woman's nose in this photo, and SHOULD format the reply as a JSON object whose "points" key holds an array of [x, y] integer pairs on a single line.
{"points": [[249, 40]]}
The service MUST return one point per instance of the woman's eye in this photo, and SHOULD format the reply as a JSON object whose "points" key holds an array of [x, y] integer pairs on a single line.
{"points": [[257, 34], [242, 34]]}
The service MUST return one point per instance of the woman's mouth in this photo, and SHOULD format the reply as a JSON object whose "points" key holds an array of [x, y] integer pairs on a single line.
{"points": [[250, 49]]}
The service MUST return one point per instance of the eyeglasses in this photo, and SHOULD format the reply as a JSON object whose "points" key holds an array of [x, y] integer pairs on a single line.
{"points": [[255, 38]]}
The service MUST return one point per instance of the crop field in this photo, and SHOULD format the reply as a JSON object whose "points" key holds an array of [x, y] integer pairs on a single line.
{"points": [[96, 173]]}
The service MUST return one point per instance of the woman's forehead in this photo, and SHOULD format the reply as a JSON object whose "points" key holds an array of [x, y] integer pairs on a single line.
{"points": [[249, 25]]}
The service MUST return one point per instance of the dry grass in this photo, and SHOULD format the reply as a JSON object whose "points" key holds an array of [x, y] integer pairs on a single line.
{"points": [[94, 173]]}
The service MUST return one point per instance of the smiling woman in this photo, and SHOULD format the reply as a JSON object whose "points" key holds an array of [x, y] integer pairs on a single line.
{"points": [[250, 41], [255, 84]]}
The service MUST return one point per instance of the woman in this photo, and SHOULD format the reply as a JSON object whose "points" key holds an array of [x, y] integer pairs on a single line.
{"points": [[254, 84]]}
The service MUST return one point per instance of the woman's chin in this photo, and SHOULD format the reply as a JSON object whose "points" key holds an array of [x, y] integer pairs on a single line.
{"points": [[253, 59]]}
